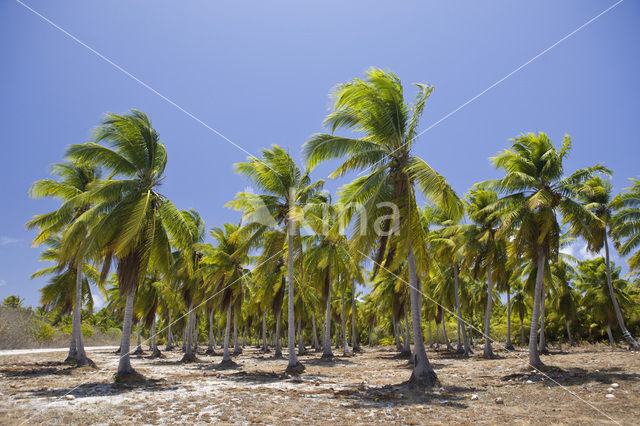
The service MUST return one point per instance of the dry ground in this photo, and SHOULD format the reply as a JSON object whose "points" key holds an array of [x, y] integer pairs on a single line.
{"points": [[366, 388]]}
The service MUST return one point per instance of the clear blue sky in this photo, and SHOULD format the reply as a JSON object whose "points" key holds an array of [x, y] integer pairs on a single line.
{"points": [[260, 73]]}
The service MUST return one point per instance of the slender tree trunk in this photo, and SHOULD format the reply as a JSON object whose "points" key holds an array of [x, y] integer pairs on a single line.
{"points": [[210, 348], [345, 343], [437, 337], [278, 350], [124, 365], [423, 374], [625, 333], [430, 340], [467, 347], [534, 356], [327, 353], [354, 338], [155, 352], [612, 341], [316, 344], [225, 356], [522, 342], [488, 351], [294, 365], [78, 353], [189, 355], [444, 331], [72, 345], [237, 350], [406, 350], [571, 342], [169, 335], [371, 334], [265, 349], [542, 343], [302, 350], [509, 345], [396, 335], [196, 331], [139, 347]]}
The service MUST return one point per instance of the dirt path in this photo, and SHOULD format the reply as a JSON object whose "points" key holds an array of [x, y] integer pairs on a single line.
{"points": [[365, 388], [15, 352]]}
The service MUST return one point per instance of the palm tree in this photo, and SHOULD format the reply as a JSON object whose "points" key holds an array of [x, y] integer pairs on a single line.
{"points": [[566, 301], [596, 195], [485, 251], [376, 109], [285, 191], [536, 193], [593, 282], [625, 224], [71, 187], [518, 304], [130, 220]]}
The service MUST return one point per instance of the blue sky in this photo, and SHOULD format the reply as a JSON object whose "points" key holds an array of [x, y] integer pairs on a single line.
{"points": [[260, 73]]}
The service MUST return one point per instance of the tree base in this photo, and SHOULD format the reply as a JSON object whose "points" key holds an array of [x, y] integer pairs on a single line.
{"points": [[357, 349], [157, 354], [189, 358], [266, 350], [117, 352], [129, 377], [210, 351], [237, 351], [138, 351], [277, 355], [423, 380], [327, 357], [226, 364], [302, 352], [295, 369], [509, 346], [80, 362], [169, 348], [405, 354]]}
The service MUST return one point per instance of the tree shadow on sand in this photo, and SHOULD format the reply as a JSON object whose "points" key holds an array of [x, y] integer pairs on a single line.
{"points": [[106, 389], [31, 370], [404, 394], [552, 376]]}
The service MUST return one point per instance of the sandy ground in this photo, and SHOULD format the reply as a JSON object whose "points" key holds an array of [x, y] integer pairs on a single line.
{"points": [[366, 388]]}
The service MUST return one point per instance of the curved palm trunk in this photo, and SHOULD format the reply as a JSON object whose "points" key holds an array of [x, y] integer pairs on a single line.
{"points": [[437, 336], [509, 345], [488, 351], [153, 346], [302, 350], [139, 346], [542, 343], [265, 349], [327, 353], [345, 343], [522, 343], [423, 374], [225, 355], [354, 338], [278, 352], [430, 340], [76, 348], [396, 335], [124, 365], [461, 329], [294, 365], [534, 356], [188, 338], [571, 342], [628, 337], [210, 348]]}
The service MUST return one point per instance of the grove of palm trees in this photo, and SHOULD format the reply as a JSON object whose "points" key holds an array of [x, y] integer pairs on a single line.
{"points": [[392, 298]]}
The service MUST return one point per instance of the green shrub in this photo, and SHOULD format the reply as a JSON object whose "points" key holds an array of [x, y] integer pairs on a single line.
{"points": [[385, 341], [114, 333], [66, 329], [87, 331], [43, 332]]}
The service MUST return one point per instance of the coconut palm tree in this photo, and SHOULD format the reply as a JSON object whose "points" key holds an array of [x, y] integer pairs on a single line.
{"points": [[130, 221], [596, 195], [518, 304], [626, 222], [285, 190], [537, 192], [375, 108], [566, 300], [70, 187]]}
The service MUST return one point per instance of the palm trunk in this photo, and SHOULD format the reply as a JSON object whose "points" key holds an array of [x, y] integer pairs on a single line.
{"points": [[430, 340], [316, 344], [210, 348], [124, 366], [509, 345], [488, 351], [444, 332], [78, 354], [302, 350], [155, 352], [345, 343], [354, 338], [571, 343], [237, 350], [612, 342], [437, 337], [327, 353], [294, 365], [278, 352], [225, 356], [628, 337], [534, 356], [461, 329], [195, 331], [264, 332], [396, 335], [406, 350], [521, 332], [423, 374], [542, 343], [169, 335], [139, 347]]}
